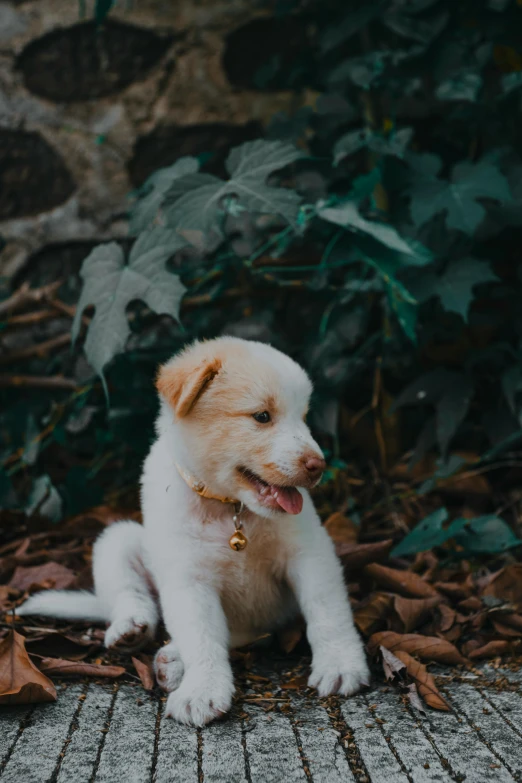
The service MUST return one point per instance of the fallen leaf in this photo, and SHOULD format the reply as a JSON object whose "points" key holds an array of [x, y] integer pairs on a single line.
{"points": [[56, 575], [503, 629], [7, 596], [373, 614], [428, 648], [354, 555], [20, 681], [391, 665], [448, 616], [143, 665], [471, 604], [507, 585], [424, 681], [412, 611], [295, 684], [456, 590], [490, 650], [66, 668], [290, 636], [414, 699], [341, 529], [404, 582]]}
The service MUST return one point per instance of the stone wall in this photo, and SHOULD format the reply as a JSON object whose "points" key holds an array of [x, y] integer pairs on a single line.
{"points": [[87, 113]]}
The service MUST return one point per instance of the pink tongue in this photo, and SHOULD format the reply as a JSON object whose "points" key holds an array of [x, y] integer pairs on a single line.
{"points": [[289, 498]]}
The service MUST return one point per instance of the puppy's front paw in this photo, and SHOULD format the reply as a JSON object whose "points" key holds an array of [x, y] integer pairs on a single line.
{"points": [[129, 633], [168, 667], [340, 669], [203, 696]]}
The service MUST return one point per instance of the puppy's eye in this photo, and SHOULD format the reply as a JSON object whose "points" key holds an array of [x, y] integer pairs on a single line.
{"points": [[262, 418]]}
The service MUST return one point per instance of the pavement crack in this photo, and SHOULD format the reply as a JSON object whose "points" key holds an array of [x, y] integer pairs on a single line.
{"points": [[155, 752], [248, 774], [24, 722], [304, 760], [479, 734], [500, 712], [72, 728], [201, 775], [389, 742], [104, 735], [347, 742]]}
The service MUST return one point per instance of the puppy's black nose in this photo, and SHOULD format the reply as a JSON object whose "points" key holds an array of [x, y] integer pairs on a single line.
{"points": [[314, 466]]}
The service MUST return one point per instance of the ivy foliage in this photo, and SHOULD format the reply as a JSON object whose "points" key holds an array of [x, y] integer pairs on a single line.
{"points": [[373, 234]]}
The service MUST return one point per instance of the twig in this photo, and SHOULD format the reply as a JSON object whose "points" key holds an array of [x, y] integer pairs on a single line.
{"points": [[37, 381], [26, 295], [26, 319], [69, 310], [39, 349], [202, 299]]}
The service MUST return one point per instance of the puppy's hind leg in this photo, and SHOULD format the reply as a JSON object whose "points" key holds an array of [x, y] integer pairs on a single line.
{"points": [[122, 585]]}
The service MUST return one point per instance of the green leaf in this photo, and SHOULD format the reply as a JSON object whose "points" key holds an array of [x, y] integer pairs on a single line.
{"points": [[458, 197], [487, 534], [393, 144], [455, 285], [428, 534], [146, 209], [110, 286], [347, 215], [44, 500], [196, 202], [512, 385], [463, 87]]}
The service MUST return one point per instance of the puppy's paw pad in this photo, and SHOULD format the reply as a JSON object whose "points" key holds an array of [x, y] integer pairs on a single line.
{"points": [[199, 705], [169, 668], [128, 633]]}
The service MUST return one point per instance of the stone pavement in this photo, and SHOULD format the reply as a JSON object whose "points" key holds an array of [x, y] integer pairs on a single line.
{"points": [[115, 733]]}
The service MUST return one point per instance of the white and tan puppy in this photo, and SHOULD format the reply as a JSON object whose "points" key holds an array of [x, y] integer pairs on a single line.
{"points": [[231, 428]]}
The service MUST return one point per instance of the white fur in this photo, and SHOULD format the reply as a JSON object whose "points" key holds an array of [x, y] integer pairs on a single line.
{"points": [[211, 597]]}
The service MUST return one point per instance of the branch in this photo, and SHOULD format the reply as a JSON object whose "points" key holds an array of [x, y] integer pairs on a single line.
{"points": [[37, 381], [25, 296], [39, 349]]}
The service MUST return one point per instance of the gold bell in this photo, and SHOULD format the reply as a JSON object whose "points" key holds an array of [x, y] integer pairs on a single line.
{"points": [[238, 541]]}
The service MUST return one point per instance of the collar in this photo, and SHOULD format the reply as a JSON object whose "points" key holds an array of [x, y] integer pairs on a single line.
{"points": [[200, 488]]}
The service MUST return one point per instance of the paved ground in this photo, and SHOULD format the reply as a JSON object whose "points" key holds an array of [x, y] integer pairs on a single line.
{"points": [[112, 733]]}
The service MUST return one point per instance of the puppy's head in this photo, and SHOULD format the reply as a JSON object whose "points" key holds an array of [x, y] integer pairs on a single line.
{"points": [[239, 408]]}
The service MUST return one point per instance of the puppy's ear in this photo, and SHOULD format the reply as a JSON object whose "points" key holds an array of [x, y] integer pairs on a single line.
{"points": [[182, 387]]}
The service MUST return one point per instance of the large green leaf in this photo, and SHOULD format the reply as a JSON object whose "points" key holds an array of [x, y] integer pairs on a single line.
{"points": [[458, 198], [455, 285], [348, 216], [197, 202], [110, 285], [146, 209]]}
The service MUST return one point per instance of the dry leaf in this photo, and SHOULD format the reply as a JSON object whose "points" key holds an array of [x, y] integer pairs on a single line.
{"points": [[507, 585], [448, 616], [404, 582], [295, 684], [456, 590], [341, 529], [20, 681], [471, 604], [428, 648], [391, 665], [354, 555], [143, 665], [373, 614], [490, 650], [412, 611], [503, 629], [66, 668], [424, 680], [53, 574], [290, 636], [413, 698]]}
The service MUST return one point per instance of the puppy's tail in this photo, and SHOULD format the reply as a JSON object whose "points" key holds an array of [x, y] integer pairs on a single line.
{"points": [[64, 604]]}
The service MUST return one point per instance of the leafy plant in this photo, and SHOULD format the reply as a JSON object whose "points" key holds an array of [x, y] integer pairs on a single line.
{"points": [[374, 235]]}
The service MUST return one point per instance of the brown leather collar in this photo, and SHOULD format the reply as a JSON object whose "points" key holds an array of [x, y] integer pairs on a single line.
{"points": [[200, 488]]}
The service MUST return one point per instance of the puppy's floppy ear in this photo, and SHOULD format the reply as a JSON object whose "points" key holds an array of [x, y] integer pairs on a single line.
{"points": [[182, 386]]}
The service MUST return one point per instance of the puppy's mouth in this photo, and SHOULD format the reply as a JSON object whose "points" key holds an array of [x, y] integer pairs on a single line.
{"points": [[287, 499]]}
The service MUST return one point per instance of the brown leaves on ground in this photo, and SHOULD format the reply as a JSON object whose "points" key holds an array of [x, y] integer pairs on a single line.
{"points": [[399, 664], [403, 582], [20, 681], [143, 665], [46, 575], [428, 648], [79, 668]]}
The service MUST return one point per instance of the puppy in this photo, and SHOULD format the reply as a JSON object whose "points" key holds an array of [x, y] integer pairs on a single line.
{"points": [[232, 453]]}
